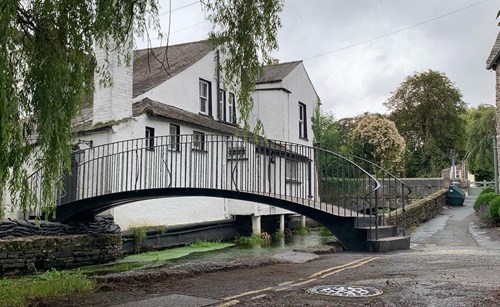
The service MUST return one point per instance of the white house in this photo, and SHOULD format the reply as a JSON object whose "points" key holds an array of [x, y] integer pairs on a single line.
{"points": [[178, 91]]}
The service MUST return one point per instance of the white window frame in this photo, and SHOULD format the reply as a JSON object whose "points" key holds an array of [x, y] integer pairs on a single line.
{"points": [[204, 99], [302, 121], [231, 105], [198, 141], [291, 170], [174, 132], [221, 104], [150, 141]]}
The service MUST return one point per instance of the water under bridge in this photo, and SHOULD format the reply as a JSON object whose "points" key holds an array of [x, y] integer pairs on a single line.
{"points": [[361, 203]]}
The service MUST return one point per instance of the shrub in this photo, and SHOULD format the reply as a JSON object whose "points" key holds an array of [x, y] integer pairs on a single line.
{"points": [[494, 206], [484, 198], [487, 190]]}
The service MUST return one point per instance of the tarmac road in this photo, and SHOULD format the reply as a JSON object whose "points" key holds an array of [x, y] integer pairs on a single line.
{"points": [[451, 263]]}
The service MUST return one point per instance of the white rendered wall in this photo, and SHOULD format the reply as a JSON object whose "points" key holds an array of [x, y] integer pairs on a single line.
{"points": [[172, 211], [279, 110], [113, 102]]}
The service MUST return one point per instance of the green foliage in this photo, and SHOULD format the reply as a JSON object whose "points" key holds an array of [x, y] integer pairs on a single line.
{"points": [[20, 291], [325, 232], [47, 64], [254, 239], [481, 130], [377, 139], [326, 135], [139, 234], [203, 244], [302, 231], [484, 198], [278, 235], [494, 206], [487, 190], [429, 113], [248, 43]]}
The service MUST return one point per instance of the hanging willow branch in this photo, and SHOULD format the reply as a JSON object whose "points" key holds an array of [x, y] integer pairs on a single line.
{"points": [[47, 65]]}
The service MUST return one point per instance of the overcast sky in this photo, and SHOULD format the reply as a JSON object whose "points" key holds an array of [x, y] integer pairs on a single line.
{"points": [[360, 78]]}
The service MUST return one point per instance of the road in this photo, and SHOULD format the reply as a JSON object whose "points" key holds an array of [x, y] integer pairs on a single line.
{"points": [[451, 263]]}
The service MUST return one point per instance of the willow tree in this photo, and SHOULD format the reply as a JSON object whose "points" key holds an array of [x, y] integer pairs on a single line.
{"points": [[47, 64], [481, 129]]}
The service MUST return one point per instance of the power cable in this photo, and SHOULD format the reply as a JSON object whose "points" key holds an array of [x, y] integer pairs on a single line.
{"points": [[397, 31], [178, 8]]}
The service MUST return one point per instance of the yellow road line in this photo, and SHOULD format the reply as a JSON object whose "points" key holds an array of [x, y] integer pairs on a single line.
{"points": [[350, 267], [247, 293], [258, 297], [228, 304], [304, 282], [286, 283], [338, 267]]}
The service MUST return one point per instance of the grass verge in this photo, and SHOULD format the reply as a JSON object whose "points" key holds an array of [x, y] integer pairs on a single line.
{"points": [[20, 290]]}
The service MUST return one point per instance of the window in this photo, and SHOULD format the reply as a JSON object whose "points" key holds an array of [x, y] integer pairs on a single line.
{"points": [[198, 140], [302, 121], [205, 97], [150, 141], [221, 106], [232, 109], [175, 132], [291, 170]]}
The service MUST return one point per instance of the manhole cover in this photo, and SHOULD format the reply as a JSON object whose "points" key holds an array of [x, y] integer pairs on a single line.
{"points": [[345, 291]]}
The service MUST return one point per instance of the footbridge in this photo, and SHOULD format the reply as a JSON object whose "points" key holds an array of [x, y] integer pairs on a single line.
{"points": [[354, 198]]}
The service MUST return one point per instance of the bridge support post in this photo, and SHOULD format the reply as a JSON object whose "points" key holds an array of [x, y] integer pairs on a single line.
{"points": [[282, 223], [256, 227], [303, 221]]}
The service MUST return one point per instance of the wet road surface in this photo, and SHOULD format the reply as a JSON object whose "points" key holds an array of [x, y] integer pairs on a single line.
{"points": [[451, 263]]}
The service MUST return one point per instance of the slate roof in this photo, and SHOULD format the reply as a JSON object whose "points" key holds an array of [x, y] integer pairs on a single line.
{"points": [[276, 72], [491, 62], [151, 69], [154, 108]]}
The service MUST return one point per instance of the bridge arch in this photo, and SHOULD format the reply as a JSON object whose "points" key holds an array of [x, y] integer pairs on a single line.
{"points": [[320, 184]]}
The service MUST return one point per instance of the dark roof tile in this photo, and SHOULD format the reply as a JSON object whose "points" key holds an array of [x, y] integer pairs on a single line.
{"points": [[491, 62], [276, 72], [151, 68]]}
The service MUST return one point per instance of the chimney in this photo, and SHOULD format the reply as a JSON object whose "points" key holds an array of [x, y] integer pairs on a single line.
{"points": [[114, 102], [276, 61]]}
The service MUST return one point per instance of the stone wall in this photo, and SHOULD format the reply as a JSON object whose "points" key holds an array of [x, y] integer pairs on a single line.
{"points": [[30, 254], [29, 246], [423, 187], [420, 210], [10, 229]]}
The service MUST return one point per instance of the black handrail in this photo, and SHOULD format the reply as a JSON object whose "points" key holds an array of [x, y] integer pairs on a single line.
{"points": [[306, 175], [389, 184]]}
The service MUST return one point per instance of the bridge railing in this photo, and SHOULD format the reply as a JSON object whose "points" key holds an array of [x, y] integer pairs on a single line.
{"points": [[306, 175], [392, 195]]}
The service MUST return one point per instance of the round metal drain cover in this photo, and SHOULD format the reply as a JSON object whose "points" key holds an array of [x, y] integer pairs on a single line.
{"points": [[345, 291]]}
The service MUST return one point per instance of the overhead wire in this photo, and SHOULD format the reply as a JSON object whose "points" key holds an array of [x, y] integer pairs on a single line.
{"points": [[397, 31]]}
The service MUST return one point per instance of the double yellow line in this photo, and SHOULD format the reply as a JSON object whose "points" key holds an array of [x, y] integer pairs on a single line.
{"points": [[232, 300]]}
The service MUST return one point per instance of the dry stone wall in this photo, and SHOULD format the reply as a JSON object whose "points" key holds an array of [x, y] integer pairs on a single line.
{"points": [[29, 246], [420, 210]]}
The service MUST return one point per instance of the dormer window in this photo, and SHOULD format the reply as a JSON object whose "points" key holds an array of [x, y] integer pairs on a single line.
{"points": [[205, 89]]}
